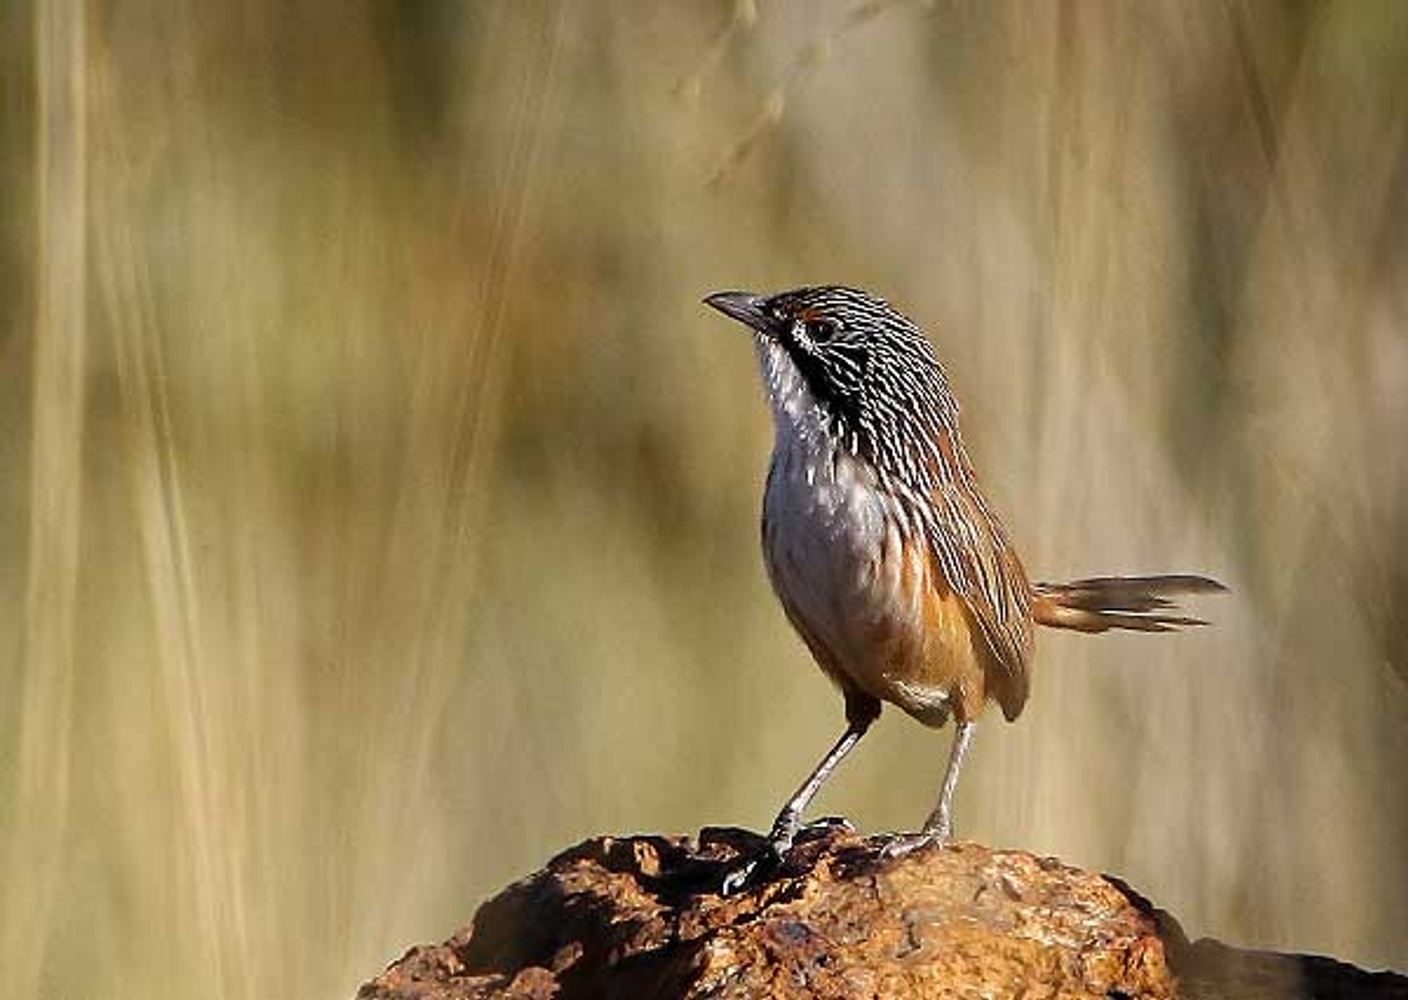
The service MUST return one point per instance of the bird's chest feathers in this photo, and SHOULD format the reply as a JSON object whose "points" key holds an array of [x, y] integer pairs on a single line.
{"points": [[824, 522], [836, 554], [846, 563], [823, 517]]}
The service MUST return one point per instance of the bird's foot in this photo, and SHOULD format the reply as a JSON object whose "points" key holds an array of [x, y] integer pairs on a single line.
{"points": [[785, 832], [898, 845], [825, 826], [749, 873], [755, 869]]}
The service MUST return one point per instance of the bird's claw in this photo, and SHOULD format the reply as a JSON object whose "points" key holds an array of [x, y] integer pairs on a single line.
{"points": [[899, 845], [737, 879], [785, 833], [753, 870], [825, 825]]}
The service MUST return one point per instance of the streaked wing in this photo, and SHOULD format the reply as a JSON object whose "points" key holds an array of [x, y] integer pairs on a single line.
{"points": [[970, 546], [923, 460]]}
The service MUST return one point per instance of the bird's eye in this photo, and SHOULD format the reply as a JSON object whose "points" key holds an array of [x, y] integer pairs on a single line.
{"points": [[819, 331]]}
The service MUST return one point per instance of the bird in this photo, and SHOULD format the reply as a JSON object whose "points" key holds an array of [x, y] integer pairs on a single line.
{"points": [[887, 559]]}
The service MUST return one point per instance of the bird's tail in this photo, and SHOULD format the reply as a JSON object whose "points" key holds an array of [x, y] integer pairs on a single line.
{"points": [[1137, 603]]}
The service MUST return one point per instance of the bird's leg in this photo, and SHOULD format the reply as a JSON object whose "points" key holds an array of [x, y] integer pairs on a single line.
{"points": [[939, 825], [938, 828], [789, 820], [861, 711]]}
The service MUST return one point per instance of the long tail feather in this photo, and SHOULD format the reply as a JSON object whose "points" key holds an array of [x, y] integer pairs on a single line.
{"points": [[1136, 603]]}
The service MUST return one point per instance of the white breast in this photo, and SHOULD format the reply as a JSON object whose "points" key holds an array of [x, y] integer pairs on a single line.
{"points": [[834, 556]]}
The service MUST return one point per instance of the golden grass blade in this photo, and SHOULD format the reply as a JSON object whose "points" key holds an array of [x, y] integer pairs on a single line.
{"points": [[39, 811]]}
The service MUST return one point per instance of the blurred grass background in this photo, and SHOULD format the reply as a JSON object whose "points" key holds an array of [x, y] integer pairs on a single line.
{"points": [[378, 505]]}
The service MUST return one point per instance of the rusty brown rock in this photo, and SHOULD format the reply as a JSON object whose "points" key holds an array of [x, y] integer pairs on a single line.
{"points": [[641, 917]]}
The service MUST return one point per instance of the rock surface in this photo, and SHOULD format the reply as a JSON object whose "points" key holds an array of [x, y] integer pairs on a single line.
{"points": [[641, 917]]}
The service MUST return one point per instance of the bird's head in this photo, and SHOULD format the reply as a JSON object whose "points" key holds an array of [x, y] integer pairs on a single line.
{"points": [[843, 356]]}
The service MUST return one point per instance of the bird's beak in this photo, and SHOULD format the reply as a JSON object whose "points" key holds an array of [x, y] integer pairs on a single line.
{"points": [[745, 307]]}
